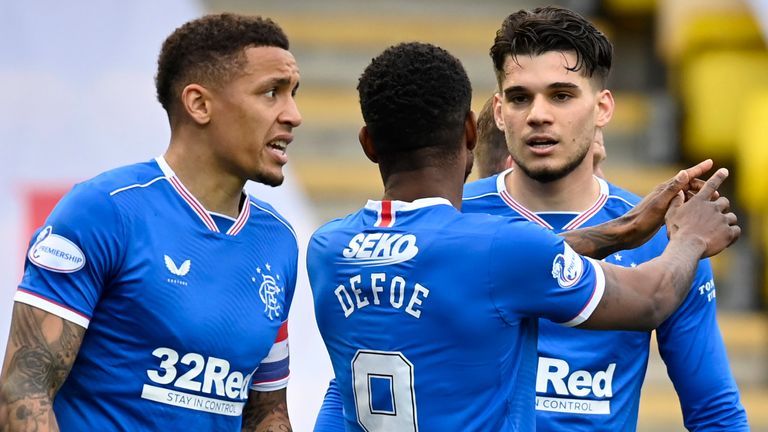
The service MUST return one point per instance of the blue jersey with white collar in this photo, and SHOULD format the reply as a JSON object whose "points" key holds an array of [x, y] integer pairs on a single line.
{"points": [[184, 311], [591, 380], [430, 315]]}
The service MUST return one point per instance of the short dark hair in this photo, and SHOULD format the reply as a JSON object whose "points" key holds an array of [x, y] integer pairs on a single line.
{"points": [[537, 31], [413, 96], [210, 50], [491, 151]]}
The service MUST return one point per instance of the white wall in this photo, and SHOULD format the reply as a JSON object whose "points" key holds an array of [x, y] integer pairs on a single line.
{"points": [[78, 98]]}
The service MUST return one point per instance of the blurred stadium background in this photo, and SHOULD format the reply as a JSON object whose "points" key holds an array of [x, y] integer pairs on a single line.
{"points": [[690, 80]]}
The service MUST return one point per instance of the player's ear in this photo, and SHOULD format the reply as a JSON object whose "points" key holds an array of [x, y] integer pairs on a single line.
{"points": [[470, 130], [196, 102], [605, 105], [497, 111], [367, 143]]}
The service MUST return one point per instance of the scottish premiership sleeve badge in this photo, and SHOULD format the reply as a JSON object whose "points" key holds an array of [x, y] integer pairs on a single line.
{"points": [[567, 267], [55, 253]]}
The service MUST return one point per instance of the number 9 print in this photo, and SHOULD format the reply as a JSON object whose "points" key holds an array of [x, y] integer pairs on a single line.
{"points": [[385, 398]]}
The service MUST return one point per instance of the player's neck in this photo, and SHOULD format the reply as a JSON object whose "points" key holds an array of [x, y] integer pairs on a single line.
{"points": [[427, 182], [575, 192], [217, 191]]}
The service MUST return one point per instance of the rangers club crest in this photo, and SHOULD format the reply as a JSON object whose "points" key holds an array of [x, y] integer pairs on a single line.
{"points": [[269, 292]]}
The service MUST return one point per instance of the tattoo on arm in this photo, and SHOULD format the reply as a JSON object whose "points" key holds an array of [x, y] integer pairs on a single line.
{"points": [[41, 350], [266, 412], [595, 242]]}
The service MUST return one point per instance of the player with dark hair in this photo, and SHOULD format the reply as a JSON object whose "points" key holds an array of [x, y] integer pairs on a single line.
{"points": [[552, 66], [492, 156], [429, 314], [156, 296]]}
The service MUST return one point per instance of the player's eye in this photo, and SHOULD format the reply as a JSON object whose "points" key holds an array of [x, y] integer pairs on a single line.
{"points": [[518, 99], [561, 97]]}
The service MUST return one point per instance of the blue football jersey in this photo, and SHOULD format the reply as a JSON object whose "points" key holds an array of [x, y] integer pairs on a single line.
{"points": [[430, 315], [590, 380], [183, 314]]}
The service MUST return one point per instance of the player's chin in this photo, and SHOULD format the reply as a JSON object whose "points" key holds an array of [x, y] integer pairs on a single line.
{"points": [[274, 177], [545, 173]]}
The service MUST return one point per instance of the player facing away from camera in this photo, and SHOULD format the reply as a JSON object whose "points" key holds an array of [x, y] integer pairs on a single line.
{"points": [[429, 314], [490, 157], [552, 66], [156, 296]]}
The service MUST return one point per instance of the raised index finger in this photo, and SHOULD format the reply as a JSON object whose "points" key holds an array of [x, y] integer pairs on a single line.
{"points": [[714, 182], [699, 169]]}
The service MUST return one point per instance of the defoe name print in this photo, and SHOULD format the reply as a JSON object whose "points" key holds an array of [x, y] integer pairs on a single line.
{"points": [[381, 290]]}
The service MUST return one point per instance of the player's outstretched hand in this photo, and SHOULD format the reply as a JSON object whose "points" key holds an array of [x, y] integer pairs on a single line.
{"points": [[704, 218], [643, 221]]}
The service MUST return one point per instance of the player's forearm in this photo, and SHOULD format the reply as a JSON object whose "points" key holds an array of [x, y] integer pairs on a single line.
{"points": [[637, 226], [266, 412], [29, 413], [41, 350], [602, 240], [25, 403], [675, 268], [641, 298], [655, 288], [270, 424]]}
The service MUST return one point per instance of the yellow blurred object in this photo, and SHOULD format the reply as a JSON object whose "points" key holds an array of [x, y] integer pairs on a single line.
{"points": [[716, 57], [752, 153], [377, 32], [764, 231], [685, 27], [714, 86], [631, 7], [751, 176]]}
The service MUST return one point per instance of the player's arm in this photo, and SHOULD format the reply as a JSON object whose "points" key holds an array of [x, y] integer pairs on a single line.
{"points": [[266, 411], [331, 415], [267, 407], [707, 391], [640, 224], [41, 350], [54, 304], [641, 298]]}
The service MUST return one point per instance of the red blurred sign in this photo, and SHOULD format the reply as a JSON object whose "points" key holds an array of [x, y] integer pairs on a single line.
{"points": [[37, 202]]}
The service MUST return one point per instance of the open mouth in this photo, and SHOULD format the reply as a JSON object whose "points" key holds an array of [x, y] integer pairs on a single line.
{"points": [[541, 142], [279, 145]]}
